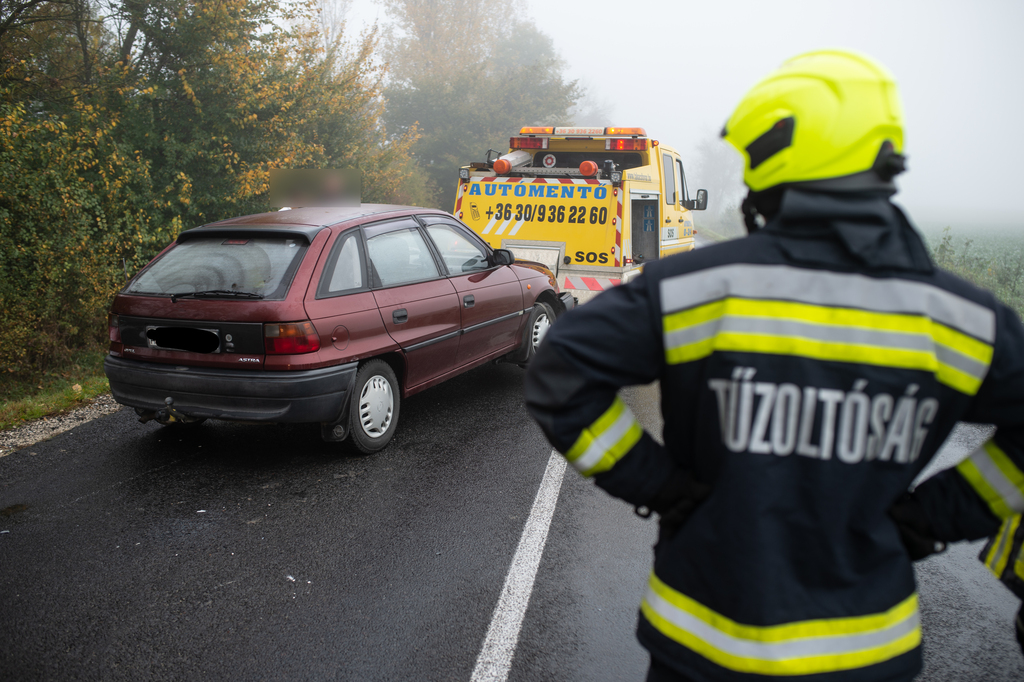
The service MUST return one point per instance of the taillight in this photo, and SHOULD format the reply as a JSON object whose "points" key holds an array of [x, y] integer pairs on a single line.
{"points": [[114, 328], [292, 338], [528, 143], [626, 145]]}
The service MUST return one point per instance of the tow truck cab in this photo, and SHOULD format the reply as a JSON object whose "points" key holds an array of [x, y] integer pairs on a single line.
{"points": [[592, 204]]}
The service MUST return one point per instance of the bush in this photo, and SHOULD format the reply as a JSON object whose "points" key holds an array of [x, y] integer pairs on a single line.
{"points": [[73, 214]]}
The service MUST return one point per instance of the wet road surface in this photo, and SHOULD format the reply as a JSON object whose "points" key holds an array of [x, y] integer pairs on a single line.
{"points": [[227, 551]]}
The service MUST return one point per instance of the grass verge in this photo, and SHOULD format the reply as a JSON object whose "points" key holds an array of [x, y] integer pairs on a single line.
{"points": [[28, 395]]}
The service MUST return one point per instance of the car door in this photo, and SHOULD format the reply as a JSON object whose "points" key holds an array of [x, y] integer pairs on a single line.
{"points": [[673, 196], [417, 302], [342, 307], [491, 297]]}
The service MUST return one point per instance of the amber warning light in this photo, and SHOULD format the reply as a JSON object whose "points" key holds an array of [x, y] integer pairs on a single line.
{"points": [[638, 132]]}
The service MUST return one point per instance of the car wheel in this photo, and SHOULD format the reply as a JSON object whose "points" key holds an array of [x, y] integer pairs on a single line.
{"points": [[373, 416], [541, 319]]}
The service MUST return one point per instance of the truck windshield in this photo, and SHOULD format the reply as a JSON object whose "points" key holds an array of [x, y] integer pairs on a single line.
{"points": [[243, 265]]}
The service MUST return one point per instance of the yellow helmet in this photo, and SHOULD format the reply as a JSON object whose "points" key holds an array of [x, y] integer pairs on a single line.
{"points": [[821, 115]]}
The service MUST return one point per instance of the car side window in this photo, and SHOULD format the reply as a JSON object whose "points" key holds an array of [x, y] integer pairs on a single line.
{"points": [[459, 254], [401, 256], [344, 271]]}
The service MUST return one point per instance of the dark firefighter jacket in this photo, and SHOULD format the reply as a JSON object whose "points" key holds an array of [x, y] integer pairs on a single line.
{"points": [[808, 373]]}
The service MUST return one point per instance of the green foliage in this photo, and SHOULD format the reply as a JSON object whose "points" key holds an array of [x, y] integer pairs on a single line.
{"points": [[992, 260], [467, 76], [73, 205], [124, 122]]}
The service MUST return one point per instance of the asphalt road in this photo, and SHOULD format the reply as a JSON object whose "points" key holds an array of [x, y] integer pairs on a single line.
{"points": [[241, 552], [227, 551]]}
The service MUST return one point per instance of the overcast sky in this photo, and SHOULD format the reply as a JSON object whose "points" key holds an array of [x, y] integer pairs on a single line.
{"points": [[678, 68]]}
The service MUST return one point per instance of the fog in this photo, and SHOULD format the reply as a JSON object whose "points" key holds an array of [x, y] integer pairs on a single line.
{"points": [[679, 68]]}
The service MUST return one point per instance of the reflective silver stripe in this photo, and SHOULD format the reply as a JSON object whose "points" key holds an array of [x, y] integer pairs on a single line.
{"points": [[783, 650], [964, 363], [1003, 541], [605, 441], [995, 477], [786, 283], [828, 333]]}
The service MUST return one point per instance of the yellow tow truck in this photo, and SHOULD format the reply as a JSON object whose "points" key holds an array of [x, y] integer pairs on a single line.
{"points": [[592, 204]]}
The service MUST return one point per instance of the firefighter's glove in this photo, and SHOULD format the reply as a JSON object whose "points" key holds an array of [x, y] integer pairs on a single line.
{"points": [[914, 527], [675, 502]]}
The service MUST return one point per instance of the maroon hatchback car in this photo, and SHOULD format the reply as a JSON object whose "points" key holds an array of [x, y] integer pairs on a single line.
{"points": [[320, 315]]}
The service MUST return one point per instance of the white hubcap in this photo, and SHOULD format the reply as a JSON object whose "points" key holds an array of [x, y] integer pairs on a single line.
{"points": [[540, 328], [376, 406]]}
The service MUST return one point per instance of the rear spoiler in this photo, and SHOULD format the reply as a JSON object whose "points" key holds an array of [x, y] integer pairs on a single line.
{"points": [[304, 232]]}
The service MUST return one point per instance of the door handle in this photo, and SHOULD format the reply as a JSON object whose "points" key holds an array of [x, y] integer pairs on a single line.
{"points": [[468, 300], [400, 316], [668, 220]]}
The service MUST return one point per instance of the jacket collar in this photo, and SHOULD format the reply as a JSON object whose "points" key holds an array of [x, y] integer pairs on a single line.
{"points": [[834, 229]]}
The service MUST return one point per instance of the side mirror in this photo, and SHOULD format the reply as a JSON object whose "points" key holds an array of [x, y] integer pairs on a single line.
{"points": [[702, 199], [698, 204], [502, 257]]}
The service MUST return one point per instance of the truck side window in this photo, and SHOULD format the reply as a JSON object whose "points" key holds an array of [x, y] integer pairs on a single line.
{"points": [[682, 177], [670, 179], [679, 180]]}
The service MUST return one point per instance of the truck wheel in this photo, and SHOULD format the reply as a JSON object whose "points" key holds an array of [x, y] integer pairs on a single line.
{"points": [[373, 416], [541, 319]]}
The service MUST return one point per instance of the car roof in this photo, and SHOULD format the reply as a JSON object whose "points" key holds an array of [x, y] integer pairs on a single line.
{"points": [[306, 221]]}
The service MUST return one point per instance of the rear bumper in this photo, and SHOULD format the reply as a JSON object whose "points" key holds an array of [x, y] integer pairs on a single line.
{"points": [[317, 395]]}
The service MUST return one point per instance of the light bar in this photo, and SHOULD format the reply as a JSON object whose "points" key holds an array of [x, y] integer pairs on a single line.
{"points": [[637, 132], [579, 131], [534, 130]]}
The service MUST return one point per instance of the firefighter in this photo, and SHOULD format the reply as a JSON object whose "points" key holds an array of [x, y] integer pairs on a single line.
{"points": [[808, 373]]}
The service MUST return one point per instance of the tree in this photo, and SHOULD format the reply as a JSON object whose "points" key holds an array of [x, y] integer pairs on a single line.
{"points": [[467, 76], [126, 121]]}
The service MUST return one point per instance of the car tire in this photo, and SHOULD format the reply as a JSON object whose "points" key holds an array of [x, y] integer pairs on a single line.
{"points": [[541, 318], [373, 415]]}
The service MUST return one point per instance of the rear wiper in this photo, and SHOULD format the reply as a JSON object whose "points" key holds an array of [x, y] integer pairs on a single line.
{"points": [[215, 293]]}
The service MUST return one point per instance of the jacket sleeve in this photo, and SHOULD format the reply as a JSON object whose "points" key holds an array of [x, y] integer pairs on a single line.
{"points": [[1003, 554], [572, 391], [972, 500]]}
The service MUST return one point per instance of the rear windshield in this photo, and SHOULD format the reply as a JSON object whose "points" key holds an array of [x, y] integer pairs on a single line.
{"points": [[254, 265]]}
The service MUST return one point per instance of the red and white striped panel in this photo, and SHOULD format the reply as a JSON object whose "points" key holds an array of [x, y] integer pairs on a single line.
{"points": [[540, 181], [589, 283]]}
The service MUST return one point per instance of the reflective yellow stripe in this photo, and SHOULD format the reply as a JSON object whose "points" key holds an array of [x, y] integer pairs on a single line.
{"points": [[827, 289], [828, 333], [802, 648], [602, 444], [999, 555], [996, 479], [1018, 566]]}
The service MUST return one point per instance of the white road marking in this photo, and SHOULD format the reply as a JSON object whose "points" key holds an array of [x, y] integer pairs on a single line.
{"points": [[495, 659]]}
